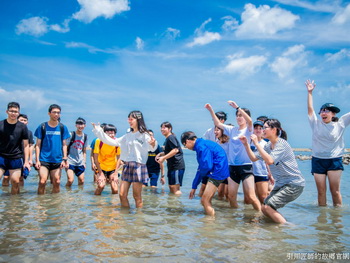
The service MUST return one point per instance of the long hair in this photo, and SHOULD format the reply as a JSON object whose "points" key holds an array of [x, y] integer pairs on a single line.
{"points": [[274, 123], [223, 138], [140, 121]]}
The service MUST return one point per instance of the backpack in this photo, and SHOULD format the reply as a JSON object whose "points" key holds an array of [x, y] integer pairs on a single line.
{"points": [[72, 139], [43, 132]]}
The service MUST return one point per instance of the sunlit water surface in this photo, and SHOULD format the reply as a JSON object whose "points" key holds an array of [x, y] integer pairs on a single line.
{"points": [[76, 226]]}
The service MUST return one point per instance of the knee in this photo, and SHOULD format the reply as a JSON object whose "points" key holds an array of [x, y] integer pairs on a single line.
{"points": [[123, 196]]}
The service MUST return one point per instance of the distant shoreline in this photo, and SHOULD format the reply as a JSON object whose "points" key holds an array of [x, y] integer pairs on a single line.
{"points": [[309, 150]]}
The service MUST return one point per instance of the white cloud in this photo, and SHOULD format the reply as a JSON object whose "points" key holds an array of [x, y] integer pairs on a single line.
{"points": [[244, 66], [64, 28], [204, 37], [34, 26], [91, 49], [230, 23], [327, 6], [264, 21], [171, 33], [284, 65], [139, 43], [344, 53], [343, 16], [92, 9], [26, 98]]}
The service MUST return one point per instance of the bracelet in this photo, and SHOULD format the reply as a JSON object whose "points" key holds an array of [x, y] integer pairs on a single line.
{"points": [[64, 159], [238, 108]]}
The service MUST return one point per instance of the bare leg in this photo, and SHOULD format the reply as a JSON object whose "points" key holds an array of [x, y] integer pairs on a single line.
{"points": [[221, 191], [114, 183], [56, 180], [262, 189], [201, 191], [15, 176], [207, 197], [136, 192], [232, 193], [320, 180], [175, 189], [70, 177], [273, 214], [101, 183], [334, 185], [43, 175], [81, 179], [123, 195], [249, 193]]}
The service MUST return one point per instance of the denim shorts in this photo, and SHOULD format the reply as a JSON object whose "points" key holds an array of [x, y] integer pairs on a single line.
{"points": [[280, 197], [11, 164], [175, 177], [322, 166]]}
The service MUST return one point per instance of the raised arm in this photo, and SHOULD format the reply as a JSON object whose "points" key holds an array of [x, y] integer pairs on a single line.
{"points": [[244, 114], [99, 133], [267, 158], [249, 151], [310, 86], [216, 121]]}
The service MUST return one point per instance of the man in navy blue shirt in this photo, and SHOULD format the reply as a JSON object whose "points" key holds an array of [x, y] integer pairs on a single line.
{"points": [[212, 162]]}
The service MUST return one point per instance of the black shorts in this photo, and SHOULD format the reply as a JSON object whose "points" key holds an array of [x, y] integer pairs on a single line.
{"points": [[108, 174], [239, 173], [51, 166]]}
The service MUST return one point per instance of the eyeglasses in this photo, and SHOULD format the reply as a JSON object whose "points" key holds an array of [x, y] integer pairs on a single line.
{"points": [[265, 127], [325, 111], [13, 111], [55, 112]]}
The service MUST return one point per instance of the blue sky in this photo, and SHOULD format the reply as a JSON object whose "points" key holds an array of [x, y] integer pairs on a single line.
{"points": [[100, 59]]}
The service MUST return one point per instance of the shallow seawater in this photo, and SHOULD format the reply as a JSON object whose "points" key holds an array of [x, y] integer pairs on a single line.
{"points": [[76, 226]]}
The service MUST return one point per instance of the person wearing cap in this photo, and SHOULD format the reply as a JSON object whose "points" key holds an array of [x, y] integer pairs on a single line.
{"points": [[212, 163], [77, 153], [327, 147], [262, 174]]}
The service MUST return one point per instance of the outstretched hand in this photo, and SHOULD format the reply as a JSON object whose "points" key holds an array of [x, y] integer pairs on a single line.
{"points": [[94, 124], [192, 194], [243, 140], [254, 139], [208, 106], [232, 104], [310, 85]]}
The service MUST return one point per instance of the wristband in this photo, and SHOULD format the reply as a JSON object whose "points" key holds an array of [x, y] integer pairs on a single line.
{"points": [[238, 108], [64, 159]]}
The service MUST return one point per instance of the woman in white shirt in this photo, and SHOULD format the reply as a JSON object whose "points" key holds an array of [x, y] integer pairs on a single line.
{"points": [[327, 147], [134, 152]]}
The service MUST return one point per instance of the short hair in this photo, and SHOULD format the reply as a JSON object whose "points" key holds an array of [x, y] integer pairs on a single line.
{"points": [[25, 116], [80, 120], [189, 135], [221, 115], [110, 127], [262, 118], [245, 110], [13, 104], [54, 106]]}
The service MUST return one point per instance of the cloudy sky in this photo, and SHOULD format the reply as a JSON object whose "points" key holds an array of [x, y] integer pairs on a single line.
{"points": [[100, 59]]}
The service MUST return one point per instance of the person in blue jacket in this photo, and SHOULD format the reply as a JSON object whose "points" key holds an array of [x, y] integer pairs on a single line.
{"points": [[212, 162]]}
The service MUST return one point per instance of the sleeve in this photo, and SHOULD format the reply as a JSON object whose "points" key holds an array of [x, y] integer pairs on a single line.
{"points": [[92, 146], [99, 133], [228, 129], [118, 151], [206, 135], [196, 180], [173, 142], [25, 133], [97, 146], [278, 153], [86, 142], [66, 133], [345, 119], [312, 120], [31, 139], [37, 132]]}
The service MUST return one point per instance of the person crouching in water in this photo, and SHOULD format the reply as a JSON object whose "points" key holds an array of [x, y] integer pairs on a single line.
{"points": [[289, 183], [212, 162]]}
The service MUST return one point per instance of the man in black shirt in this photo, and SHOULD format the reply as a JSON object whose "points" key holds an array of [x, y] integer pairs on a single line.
{"points": [[12, 134]]}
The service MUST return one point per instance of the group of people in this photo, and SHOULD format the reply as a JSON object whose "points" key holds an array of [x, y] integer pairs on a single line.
{"points": [[255, 154]]}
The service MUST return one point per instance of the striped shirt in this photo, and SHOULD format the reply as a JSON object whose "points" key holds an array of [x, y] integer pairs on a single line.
{"points": [[284, 169]]}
